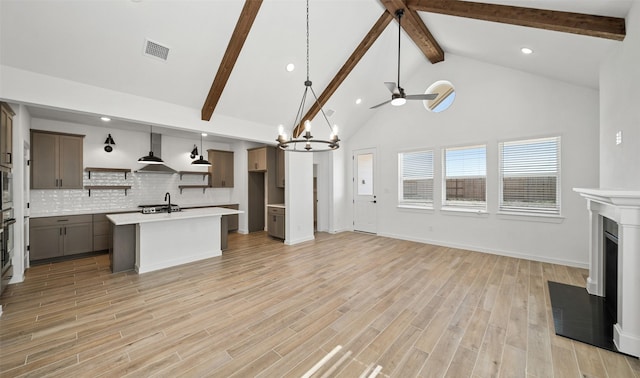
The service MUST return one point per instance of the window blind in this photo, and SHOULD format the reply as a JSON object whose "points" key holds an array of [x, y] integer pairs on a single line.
{"points": [[416, 177], [466, 176], [530, 175]]}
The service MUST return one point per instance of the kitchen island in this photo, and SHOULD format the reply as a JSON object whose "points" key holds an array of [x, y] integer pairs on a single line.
{"points": [[163, 240]]}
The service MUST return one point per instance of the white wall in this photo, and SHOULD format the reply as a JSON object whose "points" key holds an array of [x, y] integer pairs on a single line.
{"points": [[492, 104], [36, 89], [619, 99], [298, 196]]}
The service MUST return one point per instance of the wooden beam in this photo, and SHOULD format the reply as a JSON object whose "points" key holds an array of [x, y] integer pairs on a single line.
{"points": [[240, 33], [346, 69], [417, 30], [576, 23]]}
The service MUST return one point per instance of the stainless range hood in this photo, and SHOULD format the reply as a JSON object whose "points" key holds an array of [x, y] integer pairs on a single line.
{"points": [[156, 148]]}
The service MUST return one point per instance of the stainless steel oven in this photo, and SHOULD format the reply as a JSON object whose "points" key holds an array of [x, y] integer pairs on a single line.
{"points": [[6, 182], [7, 245]]}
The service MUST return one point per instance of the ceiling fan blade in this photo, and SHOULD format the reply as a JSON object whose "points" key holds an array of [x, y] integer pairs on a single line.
{"points": [[426, 96], [391, 86], [379, 105]]}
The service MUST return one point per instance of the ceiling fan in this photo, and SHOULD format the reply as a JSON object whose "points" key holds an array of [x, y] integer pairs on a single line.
{"points": [[398, 97]]}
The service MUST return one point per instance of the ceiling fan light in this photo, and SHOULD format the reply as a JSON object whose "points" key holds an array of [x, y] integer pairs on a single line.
{"points": [[398, 101]]}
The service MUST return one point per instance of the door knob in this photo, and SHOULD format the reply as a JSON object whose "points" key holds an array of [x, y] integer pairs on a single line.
{"points": [[374, 201]]}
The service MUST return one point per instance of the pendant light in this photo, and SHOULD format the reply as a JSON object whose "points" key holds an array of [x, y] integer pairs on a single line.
{"points": [[305, 139], [201, 162], [150, 159]]}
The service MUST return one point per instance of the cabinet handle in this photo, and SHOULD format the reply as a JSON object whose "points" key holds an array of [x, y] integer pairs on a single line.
{"points": [[10, 159], [56, 183], [65, 230], [256, 165], [61, 230], [61, 183]]}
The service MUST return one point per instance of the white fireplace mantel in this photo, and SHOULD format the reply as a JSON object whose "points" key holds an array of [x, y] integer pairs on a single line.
{"points": [[623, 207]]}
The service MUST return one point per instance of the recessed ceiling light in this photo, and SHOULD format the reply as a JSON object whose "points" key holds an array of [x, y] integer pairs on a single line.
{"points": [[526, 50], [358, 101], [204, 134], [105, 119], [291, 67]]}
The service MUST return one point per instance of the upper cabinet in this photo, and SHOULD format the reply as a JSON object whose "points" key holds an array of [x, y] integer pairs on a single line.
{"points": [[279, 168], [257, 159], [56, 160], [6, 135], [221, 168]]}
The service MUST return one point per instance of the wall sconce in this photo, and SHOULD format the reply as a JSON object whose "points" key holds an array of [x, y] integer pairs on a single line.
{"points": [[194, 152], [108, 143]]}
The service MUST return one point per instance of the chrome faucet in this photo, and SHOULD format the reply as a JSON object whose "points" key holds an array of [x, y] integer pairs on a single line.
{"points": [[167, 195]]}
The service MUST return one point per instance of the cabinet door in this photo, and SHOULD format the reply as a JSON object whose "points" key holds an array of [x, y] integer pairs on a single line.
{"points": [[70, 165], [45, 242], [279, 168], [276, 226], [226, 159], [78, 238], [6, 137], [44, 158], [257, 159], [221, 168]]}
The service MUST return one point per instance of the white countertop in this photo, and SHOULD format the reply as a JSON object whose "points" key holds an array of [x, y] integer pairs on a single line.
{"points": [[135, 218], [66, 213]]}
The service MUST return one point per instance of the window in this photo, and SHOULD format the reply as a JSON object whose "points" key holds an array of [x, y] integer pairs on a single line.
{"points": [[465, 177], [530, 175], [416, 178]]}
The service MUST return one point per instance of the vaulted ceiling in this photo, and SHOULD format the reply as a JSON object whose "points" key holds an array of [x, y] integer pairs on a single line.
{"points": [[229, 56]]}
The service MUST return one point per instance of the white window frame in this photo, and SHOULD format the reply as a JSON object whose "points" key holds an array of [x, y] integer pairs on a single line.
{"points": [[530, 210], [424, 204], [465, 206]]}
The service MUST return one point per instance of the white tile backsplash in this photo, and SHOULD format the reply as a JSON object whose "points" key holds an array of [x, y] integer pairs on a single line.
{"points": [[146, 188]]}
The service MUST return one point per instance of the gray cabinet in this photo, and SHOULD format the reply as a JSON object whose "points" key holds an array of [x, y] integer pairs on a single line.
{"points": [[232, 220], [279, 168], [60, 236], [221, 169], [6, 135], [101, 232], [257, 159], [276, 222], [56, 160]]}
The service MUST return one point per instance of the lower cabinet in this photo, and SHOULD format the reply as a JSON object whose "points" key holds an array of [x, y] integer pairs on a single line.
{"points": [[275, 223], [232, 220], [101, 232], [60, 236]]}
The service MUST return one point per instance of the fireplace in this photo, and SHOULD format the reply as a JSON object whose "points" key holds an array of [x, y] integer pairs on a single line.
{"points": [[614, 260], [610, 245]]}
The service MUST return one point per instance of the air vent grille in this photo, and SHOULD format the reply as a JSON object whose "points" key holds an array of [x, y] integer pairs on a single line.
{"points": [[156, 50]]}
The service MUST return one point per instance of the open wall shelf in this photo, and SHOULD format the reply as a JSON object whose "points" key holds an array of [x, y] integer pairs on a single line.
{"points": [[108, 187], [94, 169]]}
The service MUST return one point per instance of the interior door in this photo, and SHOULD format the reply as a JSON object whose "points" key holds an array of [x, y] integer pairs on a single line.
{"points": [[365, 216]]}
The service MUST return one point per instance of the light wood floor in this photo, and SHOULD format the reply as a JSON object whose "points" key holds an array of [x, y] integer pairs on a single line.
{"points": [[396, 308]]}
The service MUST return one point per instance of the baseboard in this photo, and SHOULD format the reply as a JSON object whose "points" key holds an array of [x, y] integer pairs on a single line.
{"points": [[490, 251], [625, 342], [298, 241]]}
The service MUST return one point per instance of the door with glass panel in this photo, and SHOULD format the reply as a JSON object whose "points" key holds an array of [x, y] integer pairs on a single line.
{"points": [[365, 217]]}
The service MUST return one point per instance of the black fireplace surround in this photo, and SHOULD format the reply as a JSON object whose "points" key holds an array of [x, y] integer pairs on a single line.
{"points": [[588, 318]]}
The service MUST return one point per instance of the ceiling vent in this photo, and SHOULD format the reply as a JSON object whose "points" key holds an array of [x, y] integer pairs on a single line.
{"points": [[155, 50]]}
